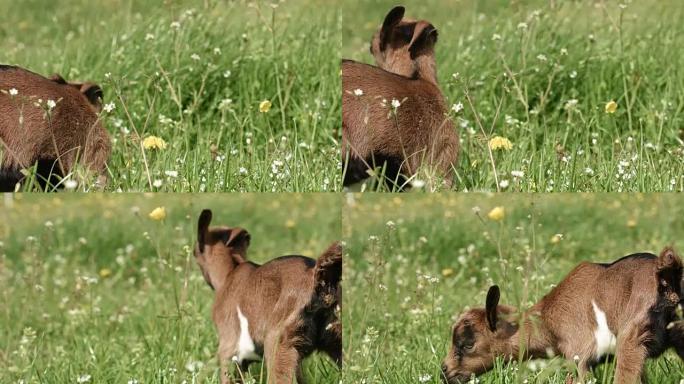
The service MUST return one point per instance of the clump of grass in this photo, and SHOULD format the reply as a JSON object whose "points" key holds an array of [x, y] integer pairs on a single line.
{"points": [[414, 263], [544, 76], [245, 95], [94, 289]]}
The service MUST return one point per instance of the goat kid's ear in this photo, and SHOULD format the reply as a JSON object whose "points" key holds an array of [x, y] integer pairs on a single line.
{"points": [[668, 259], [425, 41], [93, 93], [57, 78], [238, 238], [391, 20], [491, 305], [203, 228], [328, 270]]}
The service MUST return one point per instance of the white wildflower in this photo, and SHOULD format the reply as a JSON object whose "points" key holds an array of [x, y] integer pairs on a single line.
{"points": [[109, 107]]}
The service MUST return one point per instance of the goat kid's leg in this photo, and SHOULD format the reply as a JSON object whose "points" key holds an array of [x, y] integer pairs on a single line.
{"points": [[226, 351], [283, 362], [300, 374], [631, 355]]}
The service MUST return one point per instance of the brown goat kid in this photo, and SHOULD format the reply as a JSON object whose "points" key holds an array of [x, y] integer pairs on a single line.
{"points": [[625, 309], [283, 310], [55, 140], [419, 131]]}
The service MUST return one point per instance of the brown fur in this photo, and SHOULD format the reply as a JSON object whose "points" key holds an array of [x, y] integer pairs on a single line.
{"points": [[72, 133], [421, 133], [638, 293], [291, 302]]}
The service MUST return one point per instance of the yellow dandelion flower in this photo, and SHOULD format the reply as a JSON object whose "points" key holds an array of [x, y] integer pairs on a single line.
{"points": [[498, 142], [631, 223], [497, 213], [446, 272], [290, 223], [265, 106], [611, 107], [105, 272], [158, 213], [154, 142]]}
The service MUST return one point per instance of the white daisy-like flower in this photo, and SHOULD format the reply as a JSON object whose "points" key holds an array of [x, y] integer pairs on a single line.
{"points": [[109, 107], [70, 184], [358, 92], [13, 92]]}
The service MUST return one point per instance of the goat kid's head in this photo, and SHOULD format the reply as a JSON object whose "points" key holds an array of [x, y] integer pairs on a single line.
{"points": [[405, 46], [219, 249], [478, 337], [92, 92]]}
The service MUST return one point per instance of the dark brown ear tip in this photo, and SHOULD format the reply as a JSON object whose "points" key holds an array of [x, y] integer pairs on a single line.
{"points": [[57, 78], [93, 93], [394, 16], [204, 218]]}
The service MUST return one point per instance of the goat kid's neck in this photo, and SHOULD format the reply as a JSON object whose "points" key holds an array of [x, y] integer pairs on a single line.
{"points": [[227, 264], [426, 69], [531, 338]]}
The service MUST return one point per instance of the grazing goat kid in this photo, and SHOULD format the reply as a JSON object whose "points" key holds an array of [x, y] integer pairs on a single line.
{"points": [[55, 136], [283, 310], [625, 309], [396, 113]]}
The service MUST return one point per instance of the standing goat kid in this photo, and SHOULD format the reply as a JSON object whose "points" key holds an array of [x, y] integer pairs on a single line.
{"points": [[395, 114], [626, 309], [283, 310]]}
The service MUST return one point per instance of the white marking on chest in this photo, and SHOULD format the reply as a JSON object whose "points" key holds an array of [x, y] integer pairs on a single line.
{"points": [[605, 339], [245, 348]]}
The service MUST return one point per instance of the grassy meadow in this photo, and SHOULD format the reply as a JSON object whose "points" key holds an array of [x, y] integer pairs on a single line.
{"points": [[415, 263], [245, 95], [542, 75], [96, 291]]}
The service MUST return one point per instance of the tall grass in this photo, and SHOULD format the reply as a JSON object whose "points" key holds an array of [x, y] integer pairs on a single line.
{"points": [[541, 73], [195, 74], [415, 262], [94, 289]]}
